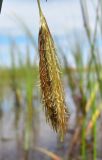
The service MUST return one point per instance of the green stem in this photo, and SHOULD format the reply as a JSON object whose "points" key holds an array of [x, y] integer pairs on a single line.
{"points": [[83, 140], [40, 11], [94, 136]]}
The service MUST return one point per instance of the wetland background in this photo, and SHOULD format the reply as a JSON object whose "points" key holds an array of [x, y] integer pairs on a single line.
{"points": [[24, 133]]}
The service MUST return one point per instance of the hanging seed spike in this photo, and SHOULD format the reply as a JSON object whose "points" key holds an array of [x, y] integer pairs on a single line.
{"points": [[53, 114], [52, 90]]}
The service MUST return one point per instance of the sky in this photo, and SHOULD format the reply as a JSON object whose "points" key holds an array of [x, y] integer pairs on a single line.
{"points": [[63, 17]]}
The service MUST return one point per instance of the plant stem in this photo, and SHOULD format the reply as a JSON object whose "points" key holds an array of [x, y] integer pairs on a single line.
{"points": [[83, 140], [94, 136], [40, 11]]}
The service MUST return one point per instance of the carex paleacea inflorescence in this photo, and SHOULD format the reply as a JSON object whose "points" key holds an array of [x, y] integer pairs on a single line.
{"points": [[50, 79]]}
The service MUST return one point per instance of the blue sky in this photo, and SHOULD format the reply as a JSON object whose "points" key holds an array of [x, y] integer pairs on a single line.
{"points": [[63, 17]]}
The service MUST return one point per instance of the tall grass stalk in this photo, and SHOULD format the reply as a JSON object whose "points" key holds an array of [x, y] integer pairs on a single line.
{"points": [[84, 157], [29, 105]]}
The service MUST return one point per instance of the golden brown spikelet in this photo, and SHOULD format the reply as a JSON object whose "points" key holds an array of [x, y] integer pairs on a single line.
{"points": [[50, 78]]}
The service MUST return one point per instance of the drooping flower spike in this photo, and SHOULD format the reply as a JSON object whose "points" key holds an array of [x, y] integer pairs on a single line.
{"points": [[51, 86]]}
